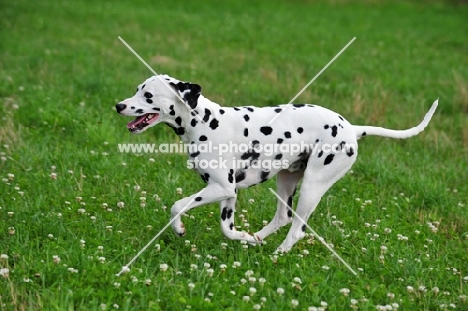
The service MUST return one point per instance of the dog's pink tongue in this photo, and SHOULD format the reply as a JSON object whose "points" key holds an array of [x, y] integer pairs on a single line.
{"points": [[135, 122]]}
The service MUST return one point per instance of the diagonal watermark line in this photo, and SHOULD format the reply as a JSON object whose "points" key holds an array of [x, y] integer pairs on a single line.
{"points": [[313, 79], [137, 56], [125, 268], [315, 233], [156, 74]]}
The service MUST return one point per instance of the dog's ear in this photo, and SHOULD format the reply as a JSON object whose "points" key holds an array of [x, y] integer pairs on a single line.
{"points": [[189, 92]]}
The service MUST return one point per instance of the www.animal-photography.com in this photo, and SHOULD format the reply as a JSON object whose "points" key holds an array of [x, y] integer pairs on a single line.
{"points": [[234, 155]]}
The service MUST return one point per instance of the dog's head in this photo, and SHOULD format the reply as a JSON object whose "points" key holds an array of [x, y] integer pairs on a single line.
{"points": [[154, 102]]}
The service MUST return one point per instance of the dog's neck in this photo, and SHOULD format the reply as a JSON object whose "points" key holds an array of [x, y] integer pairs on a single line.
{"points": [[185, 120]]}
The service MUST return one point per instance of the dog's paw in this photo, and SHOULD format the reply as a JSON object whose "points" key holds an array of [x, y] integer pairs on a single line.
{"points": [[179, 229], [282, 249]]}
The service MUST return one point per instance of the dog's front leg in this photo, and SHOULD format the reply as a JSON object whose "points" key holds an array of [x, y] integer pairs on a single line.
{"points": [[212, 193], [228, 208]]}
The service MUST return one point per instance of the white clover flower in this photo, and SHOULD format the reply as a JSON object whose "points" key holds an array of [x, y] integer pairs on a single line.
{"points": [[297, 280], [4, 272], [206, 265], [325, 268], [116, 284], [191, 286], [209, 272], [280, 291], [252, 279], [410, 289], [3, 256], [56, 259], [345, 291], [102, 259], [222, 267], [391, 295], [236, 264], [257, 306], [246, 298], [193, 267], [120, 204], [125, 269], [252, 291], [249, 273], [179, 190], [294, 303], [163, 267], [262, 281]]}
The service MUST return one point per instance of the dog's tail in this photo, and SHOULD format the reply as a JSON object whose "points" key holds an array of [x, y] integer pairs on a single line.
{"points": [[399, 134]]}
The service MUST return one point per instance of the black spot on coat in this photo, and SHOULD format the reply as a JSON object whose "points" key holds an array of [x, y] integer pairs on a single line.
{"points": [[240, 176], [334, 130], [214, 124], [266, 130], [206, 117], [224, 213], [328, 159]]}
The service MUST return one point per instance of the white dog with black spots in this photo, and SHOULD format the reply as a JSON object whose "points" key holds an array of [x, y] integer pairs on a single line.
{"points": [[197, 120]]}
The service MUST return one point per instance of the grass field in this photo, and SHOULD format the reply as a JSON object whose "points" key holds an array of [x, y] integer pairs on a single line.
{"points": [[73, 210]]}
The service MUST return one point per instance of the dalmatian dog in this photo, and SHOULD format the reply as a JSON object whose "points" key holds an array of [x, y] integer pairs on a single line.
{"points": [[328, 149]]}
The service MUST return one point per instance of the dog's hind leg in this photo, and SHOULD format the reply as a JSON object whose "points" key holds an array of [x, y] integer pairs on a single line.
{"points": [[318, 178], [228, 208], [286, 183]]}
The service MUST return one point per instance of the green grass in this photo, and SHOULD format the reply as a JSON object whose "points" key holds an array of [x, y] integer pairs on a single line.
{"points": [[62, 69]]}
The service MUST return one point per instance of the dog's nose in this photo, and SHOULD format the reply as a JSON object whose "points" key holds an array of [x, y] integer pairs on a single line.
{"points": [[120, 107]]}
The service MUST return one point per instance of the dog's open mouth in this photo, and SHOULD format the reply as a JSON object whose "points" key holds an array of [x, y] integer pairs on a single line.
{"points": [[142, 121]]}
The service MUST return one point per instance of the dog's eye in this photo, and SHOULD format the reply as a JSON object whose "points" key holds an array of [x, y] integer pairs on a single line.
{"points": [[148, 95]]}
